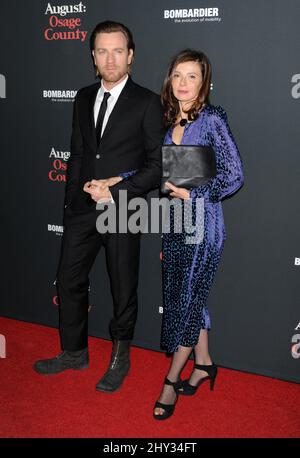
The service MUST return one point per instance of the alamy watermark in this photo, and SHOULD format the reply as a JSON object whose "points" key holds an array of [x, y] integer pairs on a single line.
{"points": [[187, 216]]}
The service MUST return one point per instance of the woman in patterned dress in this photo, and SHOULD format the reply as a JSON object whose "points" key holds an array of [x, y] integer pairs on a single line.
{"points": [[189, 269]]}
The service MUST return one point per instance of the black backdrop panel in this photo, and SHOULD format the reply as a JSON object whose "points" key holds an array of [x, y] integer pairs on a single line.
{"points": [[254, 48]]}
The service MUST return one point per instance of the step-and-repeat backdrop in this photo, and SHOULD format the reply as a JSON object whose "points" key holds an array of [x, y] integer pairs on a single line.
{"points": [[254, 48]]}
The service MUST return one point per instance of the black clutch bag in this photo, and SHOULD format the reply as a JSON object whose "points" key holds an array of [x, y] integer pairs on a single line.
{"points": [[187, 166]]}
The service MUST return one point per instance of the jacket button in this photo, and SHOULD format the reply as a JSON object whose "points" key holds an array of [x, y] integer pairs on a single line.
{"points": [[97, 156]]}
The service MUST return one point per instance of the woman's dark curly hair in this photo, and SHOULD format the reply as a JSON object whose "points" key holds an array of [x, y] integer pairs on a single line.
{"points": [[170, 103]]}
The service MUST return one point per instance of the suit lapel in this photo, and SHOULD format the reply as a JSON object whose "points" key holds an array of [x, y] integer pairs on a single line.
{"points": [[91, 120], [119, 108], [116, 114]]}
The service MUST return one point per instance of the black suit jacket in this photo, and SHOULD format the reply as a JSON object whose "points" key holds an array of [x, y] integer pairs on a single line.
{"points": [[131, 140]]}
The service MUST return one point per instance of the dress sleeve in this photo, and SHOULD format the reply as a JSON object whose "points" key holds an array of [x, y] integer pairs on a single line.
{"points": [[229, 177], [126, 175]]}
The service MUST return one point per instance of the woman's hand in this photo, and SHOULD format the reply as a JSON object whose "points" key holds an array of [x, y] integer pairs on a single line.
{"points": [[99, 189], [101, 184], [108, 182], [180, 193], [112, 181]]}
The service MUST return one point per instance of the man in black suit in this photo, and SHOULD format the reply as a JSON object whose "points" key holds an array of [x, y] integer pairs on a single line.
{"points": [[115, 145]]}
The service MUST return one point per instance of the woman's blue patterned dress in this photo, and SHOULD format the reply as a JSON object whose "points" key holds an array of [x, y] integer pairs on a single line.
{"points": [[189, 269]]}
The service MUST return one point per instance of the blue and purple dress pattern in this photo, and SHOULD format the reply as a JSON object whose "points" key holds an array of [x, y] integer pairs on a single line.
{"points": [[189, 269]]}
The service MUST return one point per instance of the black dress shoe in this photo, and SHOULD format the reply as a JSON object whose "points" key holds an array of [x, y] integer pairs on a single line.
{"points": [[118, 367], [67, 360]]}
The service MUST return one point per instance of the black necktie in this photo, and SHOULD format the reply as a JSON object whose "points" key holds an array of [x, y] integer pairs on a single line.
{"points": [[101, 115]]}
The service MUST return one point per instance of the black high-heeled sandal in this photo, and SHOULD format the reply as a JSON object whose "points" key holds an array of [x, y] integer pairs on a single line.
{"points": [[189, 390], [168, 408]]}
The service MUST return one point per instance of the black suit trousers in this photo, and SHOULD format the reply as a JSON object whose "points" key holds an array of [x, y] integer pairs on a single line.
{"points": [[80, 245]]}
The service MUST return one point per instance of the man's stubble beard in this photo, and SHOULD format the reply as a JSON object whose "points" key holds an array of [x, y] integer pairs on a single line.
{"points": [[112, 77]]}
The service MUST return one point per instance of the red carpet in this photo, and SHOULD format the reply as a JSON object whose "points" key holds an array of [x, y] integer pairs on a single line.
{"points": [[67, 405]]}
